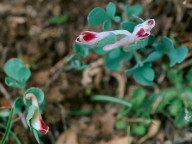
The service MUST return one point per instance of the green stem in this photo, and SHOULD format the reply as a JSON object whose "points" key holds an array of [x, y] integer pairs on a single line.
{"points": [[12, 134], [128, 134], [8, 127]]}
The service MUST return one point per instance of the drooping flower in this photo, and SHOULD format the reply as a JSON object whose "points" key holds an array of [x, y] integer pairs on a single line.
{"points": [[36, 120], [140, 31], [143, 30], [91, 38]]}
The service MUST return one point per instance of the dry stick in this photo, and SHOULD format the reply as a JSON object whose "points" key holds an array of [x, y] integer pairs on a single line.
{"points": [[7, 95], [185, 64], [56, 70]]}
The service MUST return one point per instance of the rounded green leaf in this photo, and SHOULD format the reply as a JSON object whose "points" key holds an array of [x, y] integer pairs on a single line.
{"points": [[137, 9], [111, 9], [116, 19], [38, 93], [12, 67], [148, 73], [107, 25], [181, 53], [24, 74], [113, 59], [81, 50], [139, 129], [12, 83], [97, 16], [138, 77], [167, 43], [152, 57], [128, 26]]}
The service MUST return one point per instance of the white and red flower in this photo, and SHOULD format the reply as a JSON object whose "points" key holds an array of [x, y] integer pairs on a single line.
{"points": [[140, 31], [143, 30], [91, 38], [36, 120]]}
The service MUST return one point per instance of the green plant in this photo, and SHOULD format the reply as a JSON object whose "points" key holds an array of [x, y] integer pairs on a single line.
{"points": [[17, 74], [133, 45], [132, 42]]}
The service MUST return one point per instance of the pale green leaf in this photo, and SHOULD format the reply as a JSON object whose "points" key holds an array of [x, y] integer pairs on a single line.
{"points": [[97, 16]]}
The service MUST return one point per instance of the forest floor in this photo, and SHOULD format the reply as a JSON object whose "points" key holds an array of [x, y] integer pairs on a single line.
{"points": [[27, 33]]}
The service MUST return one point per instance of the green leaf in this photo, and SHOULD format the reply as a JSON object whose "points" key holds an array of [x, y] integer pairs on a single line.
{"points": [[99, 50], [137, 9], [113, 59], [17, 105], [17, 73], [137, 97], [81, 50], [24, 74], [180, 121], [97, 16], [4, 113], [107, 25], [139, 129], [148, 73], [129, 26], [137, 45], [12, 67], [181, 53], [58, 19], [175, 107], [111, 99], [138, 77], [167, 43], [116, 19], [133, 10], [12, 83], [130, 71], [121, 124], [172, 57], [30, 114], [37, 92], [111, 9], [152, 57], [167, 95]]}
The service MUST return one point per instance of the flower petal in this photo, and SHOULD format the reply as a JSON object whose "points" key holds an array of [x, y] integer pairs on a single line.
{"points": [[36, 120], [143, 30], [38, 124]]}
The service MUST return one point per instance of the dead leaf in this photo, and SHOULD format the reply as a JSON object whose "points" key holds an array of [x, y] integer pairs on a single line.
{"points": [[120, 140], [153, 129], [68, 137], [107, 123]]}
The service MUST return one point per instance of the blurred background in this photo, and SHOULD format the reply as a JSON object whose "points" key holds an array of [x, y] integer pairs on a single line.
{"points": [[42, 33]]}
